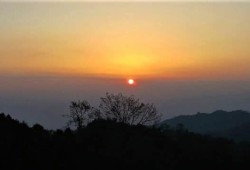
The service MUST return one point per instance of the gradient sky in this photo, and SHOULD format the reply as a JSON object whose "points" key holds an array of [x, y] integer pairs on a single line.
{"points": [[176, 40], [186, 57]]}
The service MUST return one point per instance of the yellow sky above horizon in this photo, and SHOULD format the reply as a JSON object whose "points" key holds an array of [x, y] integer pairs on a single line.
{"points": [[171, 40]]}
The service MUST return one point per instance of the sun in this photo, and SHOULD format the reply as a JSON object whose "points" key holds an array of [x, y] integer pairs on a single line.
{"points": [[131, 82]]}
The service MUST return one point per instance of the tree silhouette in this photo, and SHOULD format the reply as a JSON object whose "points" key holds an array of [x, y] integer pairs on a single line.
{"points": [[79, 113], [124, 109], [108, 144], [127, 109]]}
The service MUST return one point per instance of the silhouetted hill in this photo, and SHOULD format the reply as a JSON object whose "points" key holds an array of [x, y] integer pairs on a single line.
{"points": [[106, 144], [238, 133], [220, 123]]}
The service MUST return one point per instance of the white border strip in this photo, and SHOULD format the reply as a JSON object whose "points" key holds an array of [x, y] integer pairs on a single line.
{"points": [[124, 0]]}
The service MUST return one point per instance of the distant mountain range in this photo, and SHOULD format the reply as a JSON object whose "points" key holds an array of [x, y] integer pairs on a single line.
{"points": [[234, 125]]}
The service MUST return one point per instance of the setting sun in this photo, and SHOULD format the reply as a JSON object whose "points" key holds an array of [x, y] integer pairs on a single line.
{"points": [[131, 82]]}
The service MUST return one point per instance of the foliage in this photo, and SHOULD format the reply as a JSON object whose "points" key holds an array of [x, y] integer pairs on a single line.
{"points": [[107, 144]]}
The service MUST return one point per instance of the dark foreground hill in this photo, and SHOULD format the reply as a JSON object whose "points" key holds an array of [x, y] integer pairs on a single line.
{"points": [[106, 144], [233, 125]]}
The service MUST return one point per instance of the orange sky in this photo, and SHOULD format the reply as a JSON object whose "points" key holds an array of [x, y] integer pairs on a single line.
{"points": [[149, 40]]}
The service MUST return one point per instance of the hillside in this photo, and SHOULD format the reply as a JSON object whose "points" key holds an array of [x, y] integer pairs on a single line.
{"points": [[106, 144], [232, 124]]}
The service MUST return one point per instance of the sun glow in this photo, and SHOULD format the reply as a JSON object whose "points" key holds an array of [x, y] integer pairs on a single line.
{"points": [[159, 40], [131, 82]]}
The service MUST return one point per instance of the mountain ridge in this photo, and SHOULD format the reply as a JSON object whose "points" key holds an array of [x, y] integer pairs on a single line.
{"points": [[232, 124]]}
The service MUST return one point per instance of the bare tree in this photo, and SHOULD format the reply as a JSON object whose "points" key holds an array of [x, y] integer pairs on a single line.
{"points": [[117, 107], [128, 110], [79, 113]]}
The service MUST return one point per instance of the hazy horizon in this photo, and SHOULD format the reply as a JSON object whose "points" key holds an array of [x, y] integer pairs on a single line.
{"points": [[45, 99]]}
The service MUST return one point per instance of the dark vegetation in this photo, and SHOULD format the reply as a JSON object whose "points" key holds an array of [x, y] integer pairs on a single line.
{"points": [[120, 134], [108, 144], [233, 125]]}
